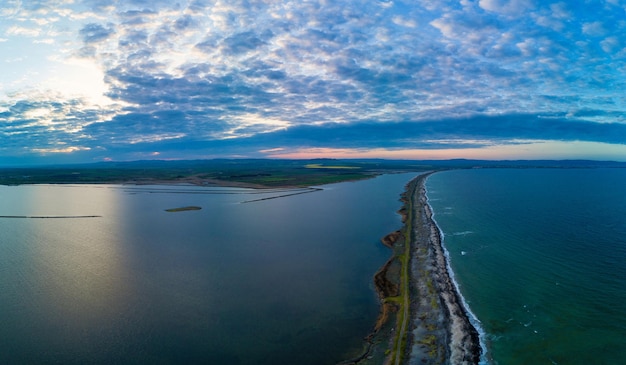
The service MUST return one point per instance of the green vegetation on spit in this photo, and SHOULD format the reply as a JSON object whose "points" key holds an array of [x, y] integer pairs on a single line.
{"points": [[403, 300]]}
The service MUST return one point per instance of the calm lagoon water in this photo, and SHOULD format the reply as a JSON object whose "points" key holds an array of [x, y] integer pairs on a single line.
{"points": [[279, 281], [540, 256]]}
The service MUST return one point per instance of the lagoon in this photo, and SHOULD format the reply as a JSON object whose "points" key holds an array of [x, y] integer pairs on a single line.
{"points": [[244, 280]]}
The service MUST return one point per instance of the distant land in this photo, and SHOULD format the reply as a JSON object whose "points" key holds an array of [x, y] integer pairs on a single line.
{"points": [[256, 173]]}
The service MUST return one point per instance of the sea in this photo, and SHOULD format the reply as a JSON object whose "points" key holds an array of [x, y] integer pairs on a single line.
{"points": [[539, 256], [103, 274]]}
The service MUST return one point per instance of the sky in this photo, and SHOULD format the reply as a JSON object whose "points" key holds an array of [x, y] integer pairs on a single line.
{"points": [[107, 80]]}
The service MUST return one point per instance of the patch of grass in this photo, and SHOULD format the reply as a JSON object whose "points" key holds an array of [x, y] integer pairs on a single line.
{"points": [[404, 256], [431, 327], [428, 340]]}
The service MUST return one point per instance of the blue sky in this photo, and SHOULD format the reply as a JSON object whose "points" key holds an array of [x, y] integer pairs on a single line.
{"points": [[101, 80]]}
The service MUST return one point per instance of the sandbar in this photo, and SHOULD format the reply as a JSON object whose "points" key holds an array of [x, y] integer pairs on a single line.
{"points": [[422, 319]]}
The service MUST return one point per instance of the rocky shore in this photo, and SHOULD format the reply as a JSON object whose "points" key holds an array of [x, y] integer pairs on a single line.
{"points": [[440, 330], [422, 318]]}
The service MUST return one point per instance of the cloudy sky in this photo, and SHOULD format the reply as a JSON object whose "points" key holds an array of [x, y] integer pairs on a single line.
{"points": [[97, 80]]}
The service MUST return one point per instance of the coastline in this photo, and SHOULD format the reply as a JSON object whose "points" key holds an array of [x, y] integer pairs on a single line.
{"points": [[422, 319], [464, 341]]}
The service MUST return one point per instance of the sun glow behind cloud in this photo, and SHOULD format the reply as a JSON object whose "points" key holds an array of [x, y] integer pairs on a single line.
{"points": [[77, 78]]}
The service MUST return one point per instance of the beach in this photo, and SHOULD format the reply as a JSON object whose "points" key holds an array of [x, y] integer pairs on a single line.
{"points": [[422, 318]]}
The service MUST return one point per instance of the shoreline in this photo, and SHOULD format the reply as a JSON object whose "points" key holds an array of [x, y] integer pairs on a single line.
{"points": [[423, 319], [464, 340]]}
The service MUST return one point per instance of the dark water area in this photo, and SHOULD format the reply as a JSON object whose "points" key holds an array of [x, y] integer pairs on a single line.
{"points": [[279, 281], [540, 256]]}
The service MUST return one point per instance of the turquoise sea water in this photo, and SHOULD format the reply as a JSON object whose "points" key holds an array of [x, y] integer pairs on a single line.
{"points": [[278, 281], [540, 256]]}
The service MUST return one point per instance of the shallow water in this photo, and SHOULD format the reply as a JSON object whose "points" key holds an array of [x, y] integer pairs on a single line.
{"points": [[540, 255], [286, 280]]}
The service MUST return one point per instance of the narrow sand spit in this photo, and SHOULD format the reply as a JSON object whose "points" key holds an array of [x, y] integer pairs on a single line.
{"points": [[440, 330], [422, 319]]}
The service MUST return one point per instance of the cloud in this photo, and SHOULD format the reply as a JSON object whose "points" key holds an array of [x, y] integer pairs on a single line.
{"points": [[477, 131], [509, 7], [237, 74], [400, 20], [243, 42], [46, 124], [594, 29], [92, 33], [610, 44], [22, 31]]}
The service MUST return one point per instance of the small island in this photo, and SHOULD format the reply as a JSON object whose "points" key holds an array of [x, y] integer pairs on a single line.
{"points": [[182, 209]]}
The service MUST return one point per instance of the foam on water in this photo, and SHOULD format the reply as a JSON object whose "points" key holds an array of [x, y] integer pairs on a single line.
{"points": [[464, 233], [472, 317]]}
